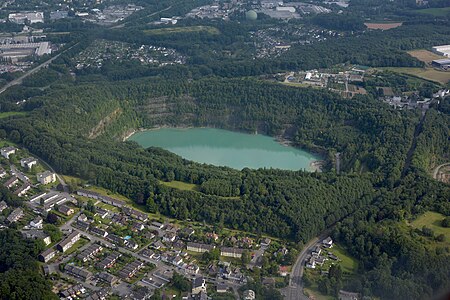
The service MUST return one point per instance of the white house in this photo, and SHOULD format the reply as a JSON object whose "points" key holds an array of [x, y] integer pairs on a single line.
{"points": [[28, 162], [46, 177], [7, 151], [328, 242], [36, 223]]}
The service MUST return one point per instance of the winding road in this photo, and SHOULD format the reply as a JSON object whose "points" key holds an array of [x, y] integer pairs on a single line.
{"points": [[294, 291], [436, 170]]}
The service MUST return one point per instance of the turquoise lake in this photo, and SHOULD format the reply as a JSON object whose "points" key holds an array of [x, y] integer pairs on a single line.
{"points": [[226, 148]]}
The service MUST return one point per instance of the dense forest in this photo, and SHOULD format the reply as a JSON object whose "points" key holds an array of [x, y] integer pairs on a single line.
{"points": [[76, 120]]}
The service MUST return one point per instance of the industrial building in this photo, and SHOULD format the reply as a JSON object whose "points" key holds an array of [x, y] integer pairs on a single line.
{"points": [[443, 50], [441, 64], [18, 51], [21, 18]]}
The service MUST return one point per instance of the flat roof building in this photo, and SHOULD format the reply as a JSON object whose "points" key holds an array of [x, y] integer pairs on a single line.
{"points": [[46, 177]]}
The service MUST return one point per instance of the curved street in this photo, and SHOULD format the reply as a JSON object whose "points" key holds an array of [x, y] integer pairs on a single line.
{"points": [[294, 291]]}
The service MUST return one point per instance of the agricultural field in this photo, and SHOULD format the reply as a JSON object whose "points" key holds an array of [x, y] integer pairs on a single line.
{"points": [[424, 55], [437, 12], [383, 26], [432, 220], [431, 74], [168, 30]]}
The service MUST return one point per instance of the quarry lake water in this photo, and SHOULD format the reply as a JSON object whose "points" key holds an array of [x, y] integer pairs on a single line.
{"points": [[226, 148]]}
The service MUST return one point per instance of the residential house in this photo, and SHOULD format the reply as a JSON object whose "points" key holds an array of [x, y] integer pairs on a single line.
{"points": [[320, 260], [177, 260], [169, 237], [82, 217], [77, 272], [131, 269], [69, 241], [115, 239], [112, 201], [7, 151], [171, 228], [3, 206], [47, 255], [328, 242], [187, 232], [221, 288], [192, 269], [147, 253], [316, 251], [46, 177], [158, 225], [135, 214], [89, 194], [141, 293], [198, 285], [83, 225], [268, 281], [198, 247], [15, 216], [102, 213], [131, 244], [265, 242], [108, 278], [158, 245], [37, 234], [344, 295], [137, 226], [89, 252], [119, 219], [98, 295], [248, 295], [22, 190], [109, 260], [66, 210], [28, 162], [231, 252], [311, 263], [73, 292], [11, 182], [178, 244], [99, 231], [283, 271], [2, 172]]}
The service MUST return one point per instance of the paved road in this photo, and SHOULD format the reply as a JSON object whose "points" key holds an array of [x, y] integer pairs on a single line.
{"points": [[295, 289], [19, 174], [28, 73], [338, 162], [150, 15]]}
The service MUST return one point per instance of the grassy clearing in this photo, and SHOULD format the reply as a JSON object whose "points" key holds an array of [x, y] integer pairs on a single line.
{"points": [[438, 12], [169, 30], [424, 55], [432, 220], [69, 179], [80, 243], [348, 263], [12, 113], [181, 185], [317, 295], [425, 73]]}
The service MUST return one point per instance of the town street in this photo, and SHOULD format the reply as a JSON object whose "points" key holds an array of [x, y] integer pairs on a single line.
{"points": [[294, 291]]}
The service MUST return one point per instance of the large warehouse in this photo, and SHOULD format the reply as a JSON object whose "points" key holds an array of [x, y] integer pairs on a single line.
{"points": [[443, 50], [441, 64]]}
